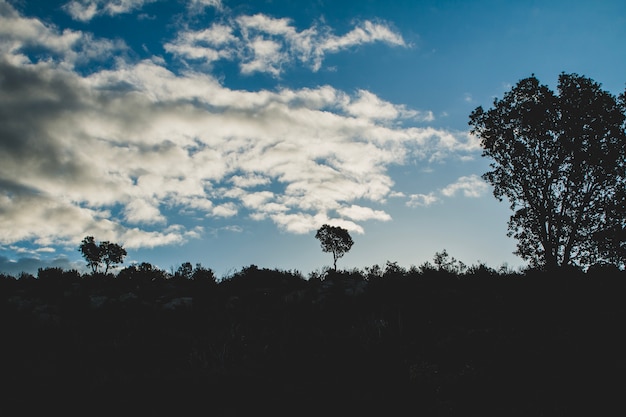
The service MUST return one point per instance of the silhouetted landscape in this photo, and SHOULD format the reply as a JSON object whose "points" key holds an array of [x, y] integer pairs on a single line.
{"points": [[436, 340], [233, 129]]}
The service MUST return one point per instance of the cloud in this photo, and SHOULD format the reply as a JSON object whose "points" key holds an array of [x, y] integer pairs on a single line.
{"points": [[359, 213], [140, 211], [86, 10], [66, 47], [368, 105], [208, 45], [265, 44], [115, 152], [470, 186], [422, 200], [196, 5], [367, 32]]}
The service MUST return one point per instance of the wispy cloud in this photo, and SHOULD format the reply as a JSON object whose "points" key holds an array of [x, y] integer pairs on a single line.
{"points": [[422, 200], [368, 105], [113, 152], [195, 5], [471, 186], [65, 47], [261, 43], [85, 10]]}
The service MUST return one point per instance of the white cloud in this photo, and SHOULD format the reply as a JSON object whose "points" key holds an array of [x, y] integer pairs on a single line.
{"points": [[359, 213], [225, 210], [266, 44], [209, 45], [85, 10], [57, 47], [250, 180], [196, 5], [138, 211], [422, 200], [368, 105], [138, 238], [114, 152], [254, 200], [367, 32], [470, 186]]}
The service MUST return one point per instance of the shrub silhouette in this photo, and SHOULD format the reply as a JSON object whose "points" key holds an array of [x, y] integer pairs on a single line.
{"points": [[384, 340]]}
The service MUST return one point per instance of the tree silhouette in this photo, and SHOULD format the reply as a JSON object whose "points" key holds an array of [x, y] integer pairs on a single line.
{"points": [[184, 271], [560, 160], [112, 254], [334, 239], [106, 252], [91, 252]]}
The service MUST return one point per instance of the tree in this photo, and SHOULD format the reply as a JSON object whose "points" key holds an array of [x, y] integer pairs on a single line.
{"points": [[184, 271], [106, 252], [334, 239], [560, 160], [112, 254], [444, 262], [91, 252]]}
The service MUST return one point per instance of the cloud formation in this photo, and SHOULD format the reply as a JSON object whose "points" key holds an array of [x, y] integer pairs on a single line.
{"points": [[85, 10], [113, 152], [471, 186], [265, 44]]}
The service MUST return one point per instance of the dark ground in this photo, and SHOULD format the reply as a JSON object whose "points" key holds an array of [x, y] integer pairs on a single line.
{"points": [[400, 343]]}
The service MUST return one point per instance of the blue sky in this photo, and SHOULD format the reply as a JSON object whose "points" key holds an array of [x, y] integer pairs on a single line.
{"points": [[225, 133]]}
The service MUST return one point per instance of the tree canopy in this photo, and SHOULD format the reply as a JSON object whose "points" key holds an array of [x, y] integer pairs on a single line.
{"points": [[560, 160], [106, 253], [334, 239]]}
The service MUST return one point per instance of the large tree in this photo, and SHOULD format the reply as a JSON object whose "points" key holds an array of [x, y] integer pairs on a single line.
{"points": [[560, 160], [334, 239]]}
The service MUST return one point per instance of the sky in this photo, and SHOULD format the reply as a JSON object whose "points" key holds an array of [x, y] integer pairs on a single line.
{"points": [[226, 133]]}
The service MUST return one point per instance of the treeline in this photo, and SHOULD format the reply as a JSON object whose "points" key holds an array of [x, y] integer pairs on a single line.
{"points": [[441, 339]]}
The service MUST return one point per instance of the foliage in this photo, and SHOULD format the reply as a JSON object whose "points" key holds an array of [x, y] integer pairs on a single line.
{"points": [[269, 339], [106, 252], [112, 254], [444, 262], [560, 160], [184, 271], [334, 239], [91, 252]]}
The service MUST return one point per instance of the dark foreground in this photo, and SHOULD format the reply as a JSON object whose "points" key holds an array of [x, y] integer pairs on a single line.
{"points": [[267, 342]]}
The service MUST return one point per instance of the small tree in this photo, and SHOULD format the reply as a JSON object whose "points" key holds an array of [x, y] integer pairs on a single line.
{"points": [[334, 239], [112, 254], [91, 252], [447, 263], [106, 252]]}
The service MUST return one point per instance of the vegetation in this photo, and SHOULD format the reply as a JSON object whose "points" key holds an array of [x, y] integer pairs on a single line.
{"points": [[334, 239], [560, 160], [439, 339], [107, 253]]}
